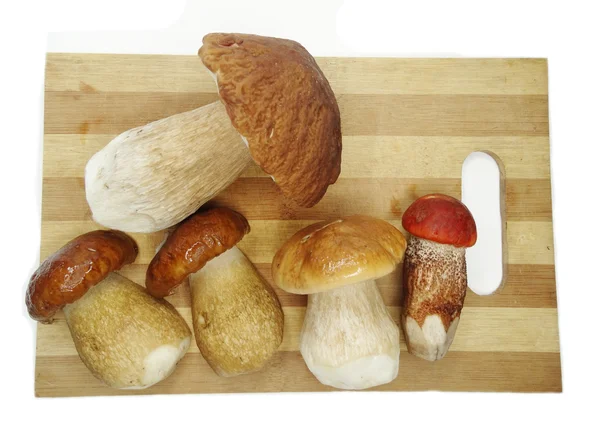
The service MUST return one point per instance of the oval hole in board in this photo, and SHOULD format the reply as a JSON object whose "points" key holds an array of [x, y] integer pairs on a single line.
{"points": [[483, 192]]}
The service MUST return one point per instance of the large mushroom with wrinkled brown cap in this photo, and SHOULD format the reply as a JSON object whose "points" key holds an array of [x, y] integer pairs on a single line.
{"points": [[125, 337], [237, 317], [276, 108], [435, 272], [348, 338]]}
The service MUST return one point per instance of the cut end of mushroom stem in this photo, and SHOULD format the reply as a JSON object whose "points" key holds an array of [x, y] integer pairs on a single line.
{"points": [[160, 363], [152, 177], [348, 340], [430, 341], [238, 320]]}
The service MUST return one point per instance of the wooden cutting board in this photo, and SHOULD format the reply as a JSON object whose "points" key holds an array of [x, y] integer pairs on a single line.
{"points": [[408, 124]]}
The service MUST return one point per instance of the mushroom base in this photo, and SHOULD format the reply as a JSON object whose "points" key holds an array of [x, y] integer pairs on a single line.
{"points": [[359, 374], [435, 285], [124, 336], [238, 320], [349, 340], [430, 341]]}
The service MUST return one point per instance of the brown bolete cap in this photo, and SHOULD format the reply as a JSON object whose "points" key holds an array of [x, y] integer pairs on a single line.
{"points": [[441, 219], [70, 272], [332, 254], [279, 100], [197, 240]]}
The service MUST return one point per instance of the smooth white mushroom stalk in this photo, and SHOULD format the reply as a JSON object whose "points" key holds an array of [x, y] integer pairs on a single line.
{"points": [[349, 339], [127, 338], [152, 177]]}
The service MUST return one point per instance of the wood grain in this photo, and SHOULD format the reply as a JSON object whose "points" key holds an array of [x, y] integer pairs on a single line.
{"points": [[362, 114], [458, 371], [525, 157], [408, 124], [260, 199], [184, 74], [529, 242]]}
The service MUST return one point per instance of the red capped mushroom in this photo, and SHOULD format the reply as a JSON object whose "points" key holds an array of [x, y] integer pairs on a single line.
{"points": [[435, 272]]}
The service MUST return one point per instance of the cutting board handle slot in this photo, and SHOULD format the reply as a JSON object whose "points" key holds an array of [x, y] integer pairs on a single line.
{"points": [[484, 193]]}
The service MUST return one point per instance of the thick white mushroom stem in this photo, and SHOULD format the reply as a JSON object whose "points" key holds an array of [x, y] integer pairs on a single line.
{"points": [[435, 285], [152, 177], [349, 339], [125, 337], [238, 320]]}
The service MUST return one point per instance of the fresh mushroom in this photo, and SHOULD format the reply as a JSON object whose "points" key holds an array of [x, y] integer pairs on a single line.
{"points": [[125, 337], [237, 317], [435, 272], [348, 338], [276, 108]]}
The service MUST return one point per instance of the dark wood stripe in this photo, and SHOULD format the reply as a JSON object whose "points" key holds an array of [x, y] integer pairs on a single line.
{"points": [[444, 115], [66, 376], [260, 199], [80, 112], [528, 200], [75, 112], [527, 286]]}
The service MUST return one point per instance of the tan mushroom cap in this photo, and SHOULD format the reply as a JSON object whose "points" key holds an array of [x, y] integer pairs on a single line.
{"points": [[279, 100], [332, 254]]}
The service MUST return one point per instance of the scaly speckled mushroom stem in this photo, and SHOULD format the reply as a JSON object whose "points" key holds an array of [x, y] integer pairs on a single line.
{"points": [[152, 177], [237, 317], [127, 338], [349, 339], [435, 285]]}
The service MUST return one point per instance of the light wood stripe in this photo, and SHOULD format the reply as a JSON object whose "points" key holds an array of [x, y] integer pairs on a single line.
{"points": [[65, 155], [362, 114], [527, 286], [260, 199], [173, 73], [458, 371], [506, 329], [528, 242]]}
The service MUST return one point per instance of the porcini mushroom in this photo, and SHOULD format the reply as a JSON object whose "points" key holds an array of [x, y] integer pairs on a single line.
{"points": [[125, 337], [276, 107], [237, 317], [435, 272], [348, 339]]}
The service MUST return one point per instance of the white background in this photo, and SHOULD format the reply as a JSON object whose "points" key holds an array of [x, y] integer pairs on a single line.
{"points": [[566, 32]]}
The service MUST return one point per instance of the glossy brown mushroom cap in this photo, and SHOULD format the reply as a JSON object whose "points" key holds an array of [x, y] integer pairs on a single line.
{"points": [[279, 100], [197, 240], [441, 219], [70, 272], [332, 254]]}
